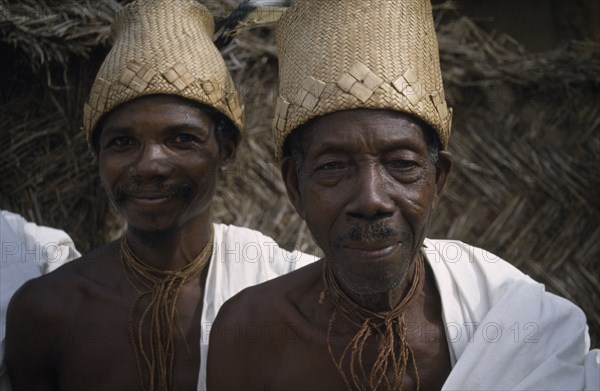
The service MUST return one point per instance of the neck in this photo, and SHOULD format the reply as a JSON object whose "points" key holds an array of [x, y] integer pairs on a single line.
{"points": [[384, 301], [172, 249], [381, 316]]}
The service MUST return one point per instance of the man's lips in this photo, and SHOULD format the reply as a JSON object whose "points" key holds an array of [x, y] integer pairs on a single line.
{"points": [[149, 196], [373, 249], [149, 199]]}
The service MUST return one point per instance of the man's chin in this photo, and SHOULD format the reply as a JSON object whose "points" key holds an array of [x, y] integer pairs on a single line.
{"points": [[374, 279], [151, 225]]}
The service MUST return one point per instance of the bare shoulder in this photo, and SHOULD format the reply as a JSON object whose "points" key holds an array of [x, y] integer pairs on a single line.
{"points": [[39, 313], [263, 301], [252, 326], [50, 300], [52, 292]]}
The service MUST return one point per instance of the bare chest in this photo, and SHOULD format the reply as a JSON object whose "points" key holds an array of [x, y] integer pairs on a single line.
{"points": [[306, 359], [106, 346], [323, 350]]}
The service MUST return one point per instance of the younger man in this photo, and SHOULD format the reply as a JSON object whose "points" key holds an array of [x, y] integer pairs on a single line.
{"points": [[164, 119]]}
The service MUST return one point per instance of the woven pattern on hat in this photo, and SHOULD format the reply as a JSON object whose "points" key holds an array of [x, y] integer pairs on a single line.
{"points": [[163, 47], [346, 54], [359, 81]]}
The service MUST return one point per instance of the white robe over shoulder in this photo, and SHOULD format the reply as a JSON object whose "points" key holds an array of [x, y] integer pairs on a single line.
{"points": [[242, 258], [505, 332]]}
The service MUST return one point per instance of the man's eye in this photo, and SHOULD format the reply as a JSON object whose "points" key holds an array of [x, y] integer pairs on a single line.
{"points": [[122, 141], [184, 138], [331, 166], [402, 164]]}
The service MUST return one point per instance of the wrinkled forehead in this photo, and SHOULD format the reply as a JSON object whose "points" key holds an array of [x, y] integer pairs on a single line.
{"points": [[358, 130]]}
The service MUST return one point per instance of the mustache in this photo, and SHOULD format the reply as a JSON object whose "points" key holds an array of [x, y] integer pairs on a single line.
{"points": [[160, 189], [376, 231]]}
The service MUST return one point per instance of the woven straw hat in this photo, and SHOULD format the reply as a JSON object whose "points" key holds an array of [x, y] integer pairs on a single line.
{"points": [[345, 54], [163, 47]]}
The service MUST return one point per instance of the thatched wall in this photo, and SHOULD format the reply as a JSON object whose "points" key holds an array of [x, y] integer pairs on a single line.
{"points": [[525, 141]]}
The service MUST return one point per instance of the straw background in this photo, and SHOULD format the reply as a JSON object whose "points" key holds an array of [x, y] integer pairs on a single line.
{"points": [[525, 140]]}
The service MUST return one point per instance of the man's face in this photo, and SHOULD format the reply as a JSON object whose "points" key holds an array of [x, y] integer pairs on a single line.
{"points": [[159, 161], [367, 189]]}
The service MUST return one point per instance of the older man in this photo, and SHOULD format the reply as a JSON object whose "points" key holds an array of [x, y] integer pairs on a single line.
{"points": [[362, 127], [164, 119]]}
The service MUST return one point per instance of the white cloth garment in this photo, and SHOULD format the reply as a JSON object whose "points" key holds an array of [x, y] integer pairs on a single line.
{"points": [[27, 251], [242, 258], [504, 331]]}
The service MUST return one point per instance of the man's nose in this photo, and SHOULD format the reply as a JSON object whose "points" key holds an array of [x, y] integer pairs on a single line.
{"points": [[153, 161], [370, 198]]}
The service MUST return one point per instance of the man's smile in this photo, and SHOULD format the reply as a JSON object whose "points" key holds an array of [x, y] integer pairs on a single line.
{"points": [[153, 194], [373, 249], [149, 199]]}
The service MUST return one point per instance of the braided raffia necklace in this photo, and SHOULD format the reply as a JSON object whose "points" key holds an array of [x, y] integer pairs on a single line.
{"points": [[387, 328], [153, 337]]}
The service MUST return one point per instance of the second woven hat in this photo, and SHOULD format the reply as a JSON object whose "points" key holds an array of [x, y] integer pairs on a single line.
{"points": [[346, 54], [163, 47]]}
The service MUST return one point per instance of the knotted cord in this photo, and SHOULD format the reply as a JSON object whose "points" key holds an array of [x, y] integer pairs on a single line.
{"points": [[153, 342], [387, 327]]}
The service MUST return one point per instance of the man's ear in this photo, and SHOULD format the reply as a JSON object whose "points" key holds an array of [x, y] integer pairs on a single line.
{"points": [[442, 171], [227, 152], [289, 172]]}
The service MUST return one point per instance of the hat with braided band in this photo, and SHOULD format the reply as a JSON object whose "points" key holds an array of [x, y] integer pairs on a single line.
{"points": [[162, 47], [347, 54]]}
